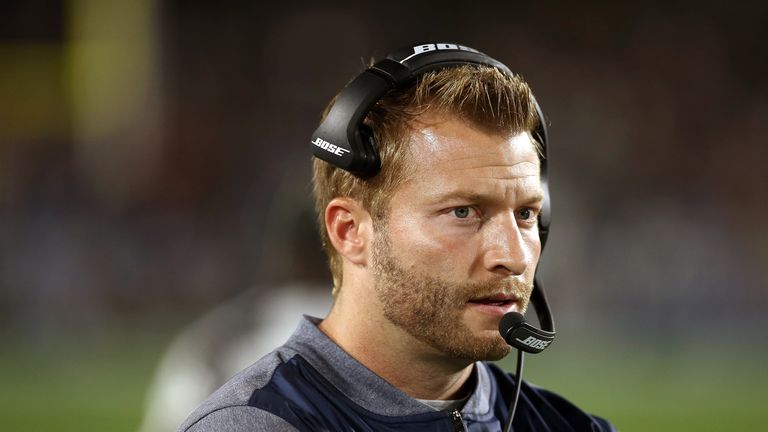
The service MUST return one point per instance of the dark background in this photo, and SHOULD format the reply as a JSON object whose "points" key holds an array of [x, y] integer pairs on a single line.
{"points": [[154, 161]]}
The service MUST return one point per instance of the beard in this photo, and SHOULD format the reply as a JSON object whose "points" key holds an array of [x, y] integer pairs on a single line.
{"points": [[431, 309]]}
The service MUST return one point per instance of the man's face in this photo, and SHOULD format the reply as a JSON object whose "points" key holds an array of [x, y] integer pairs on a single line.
{"points": [[460, 244]]}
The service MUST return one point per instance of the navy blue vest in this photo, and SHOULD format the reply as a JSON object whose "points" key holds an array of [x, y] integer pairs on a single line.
{"points": [[299, 394]]}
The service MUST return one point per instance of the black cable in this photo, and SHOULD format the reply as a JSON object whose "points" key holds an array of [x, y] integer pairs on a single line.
{"points": [[518, 386]]}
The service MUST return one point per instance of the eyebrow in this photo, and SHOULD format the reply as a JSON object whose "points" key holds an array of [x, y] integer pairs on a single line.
{"points": [[536, 197]]}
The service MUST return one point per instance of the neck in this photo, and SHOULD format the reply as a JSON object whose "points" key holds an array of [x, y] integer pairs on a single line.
{"points": [[385, 348]]}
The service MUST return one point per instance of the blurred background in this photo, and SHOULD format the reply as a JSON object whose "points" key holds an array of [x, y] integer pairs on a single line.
{"points": [[154, 192]]}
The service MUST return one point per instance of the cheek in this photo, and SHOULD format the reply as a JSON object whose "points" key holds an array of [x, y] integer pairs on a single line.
{"points": [[533, 244], [423, 244]]}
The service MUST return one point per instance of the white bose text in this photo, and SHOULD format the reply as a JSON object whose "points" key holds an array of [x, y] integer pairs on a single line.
{"points": [[325, 145], [535, 342], [420, 49]]}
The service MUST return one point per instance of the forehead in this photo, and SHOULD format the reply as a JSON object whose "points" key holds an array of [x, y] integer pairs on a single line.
{"points": [[448, 148]]}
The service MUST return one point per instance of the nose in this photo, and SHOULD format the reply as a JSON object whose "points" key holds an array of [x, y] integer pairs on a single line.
{"points": [[507, 251]]}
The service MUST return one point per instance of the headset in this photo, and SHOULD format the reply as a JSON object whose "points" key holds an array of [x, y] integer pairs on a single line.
{"points": [[345, 142]]}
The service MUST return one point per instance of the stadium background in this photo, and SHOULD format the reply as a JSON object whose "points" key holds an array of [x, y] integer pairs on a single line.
{"points": [[154, 161]]}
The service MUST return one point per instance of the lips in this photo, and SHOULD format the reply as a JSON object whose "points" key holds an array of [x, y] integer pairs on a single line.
{"points": [[494, 305], [495, 300]]}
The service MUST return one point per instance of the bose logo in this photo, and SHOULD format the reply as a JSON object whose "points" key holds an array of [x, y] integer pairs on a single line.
{"points": [[534, 342], [420, 49], [325, 145]]}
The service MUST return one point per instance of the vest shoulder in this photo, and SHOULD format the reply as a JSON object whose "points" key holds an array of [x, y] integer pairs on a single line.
{"points": [[239, 389], [238, 419]]}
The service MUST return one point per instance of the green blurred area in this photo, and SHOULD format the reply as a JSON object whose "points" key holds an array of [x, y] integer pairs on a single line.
{"points": [[91, 384], [98, 384]]}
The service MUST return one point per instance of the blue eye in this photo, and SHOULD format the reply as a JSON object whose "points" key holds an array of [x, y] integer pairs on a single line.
{"points": [[461, 212], [525, 213]]}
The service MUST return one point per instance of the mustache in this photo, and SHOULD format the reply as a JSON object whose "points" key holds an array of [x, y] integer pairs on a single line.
{"points": [[475, 290]]}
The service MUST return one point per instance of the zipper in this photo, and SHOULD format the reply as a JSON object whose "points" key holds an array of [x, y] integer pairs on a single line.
{"points": [[458, 424]]}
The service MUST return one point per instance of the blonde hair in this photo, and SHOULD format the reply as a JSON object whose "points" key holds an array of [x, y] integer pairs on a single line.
{"points": [[482, 96]]}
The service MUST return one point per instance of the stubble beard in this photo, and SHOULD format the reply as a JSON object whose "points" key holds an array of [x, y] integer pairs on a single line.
{"points": [[430, 309]]}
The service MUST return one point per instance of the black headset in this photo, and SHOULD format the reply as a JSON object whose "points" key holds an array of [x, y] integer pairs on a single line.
{"points": [[345, 142]]}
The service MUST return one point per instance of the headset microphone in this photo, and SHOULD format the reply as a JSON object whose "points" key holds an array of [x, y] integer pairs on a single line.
{"points": [[526, 338], [522, 335]]}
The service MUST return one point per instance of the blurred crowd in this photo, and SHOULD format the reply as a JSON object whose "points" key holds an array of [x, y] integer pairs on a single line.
{"points": [[154, 156]]}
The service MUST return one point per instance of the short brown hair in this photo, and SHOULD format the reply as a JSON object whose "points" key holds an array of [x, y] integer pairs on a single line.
{"points": [[482, 96]]}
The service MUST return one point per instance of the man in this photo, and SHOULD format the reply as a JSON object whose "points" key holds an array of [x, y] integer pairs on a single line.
{"points": [[428, 197]]}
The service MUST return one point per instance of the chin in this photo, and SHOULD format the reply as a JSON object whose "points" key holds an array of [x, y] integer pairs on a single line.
{"points": [[481, 349], [495, 354]]}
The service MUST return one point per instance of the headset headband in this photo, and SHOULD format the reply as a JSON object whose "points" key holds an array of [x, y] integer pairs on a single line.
{"points": [[342, 139]]}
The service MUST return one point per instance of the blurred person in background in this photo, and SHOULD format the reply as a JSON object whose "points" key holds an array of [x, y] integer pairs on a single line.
{"points": [[210, 350], [222, 342], [426, 254]]}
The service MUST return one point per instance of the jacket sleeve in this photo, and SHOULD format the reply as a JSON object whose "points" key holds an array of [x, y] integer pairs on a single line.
{"points": [[239, 419]]}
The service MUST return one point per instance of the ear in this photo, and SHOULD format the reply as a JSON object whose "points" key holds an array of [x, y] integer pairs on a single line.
{"points": [[349, 229]]}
